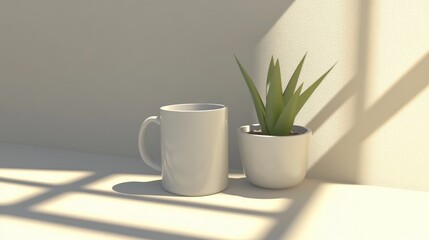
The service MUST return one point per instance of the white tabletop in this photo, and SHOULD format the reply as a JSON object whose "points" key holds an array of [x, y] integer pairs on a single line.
{"points": [[54, 194]]}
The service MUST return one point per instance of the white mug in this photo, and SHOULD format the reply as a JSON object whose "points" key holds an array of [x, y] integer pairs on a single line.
{"points": [[194, 148]]}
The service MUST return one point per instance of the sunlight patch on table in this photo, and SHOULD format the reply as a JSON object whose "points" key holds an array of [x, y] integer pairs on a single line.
{"points": [[14, 193], [174, 219], [340, 211], [22, 228], [54, 177]]}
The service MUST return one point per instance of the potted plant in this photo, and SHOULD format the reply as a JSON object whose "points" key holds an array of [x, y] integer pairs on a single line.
{"points": [[274, 153]]}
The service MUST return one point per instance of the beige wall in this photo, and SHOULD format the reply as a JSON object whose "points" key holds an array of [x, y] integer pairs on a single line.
{"points": [[370, 116]]}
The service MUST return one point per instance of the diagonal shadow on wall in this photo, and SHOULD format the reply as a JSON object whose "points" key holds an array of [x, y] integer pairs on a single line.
{"points": [[405, 89]]}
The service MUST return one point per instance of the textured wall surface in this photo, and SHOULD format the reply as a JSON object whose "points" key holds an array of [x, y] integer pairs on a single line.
{"points": [[370, 115]]}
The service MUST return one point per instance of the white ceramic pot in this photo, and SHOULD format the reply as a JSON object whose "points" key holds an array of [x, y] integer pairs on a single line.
{"points": [[274, 161]]}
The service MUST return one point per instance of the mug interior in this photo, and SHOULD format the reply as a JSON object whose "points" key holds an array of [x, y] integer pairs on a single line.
{"points": [[193, 107]]}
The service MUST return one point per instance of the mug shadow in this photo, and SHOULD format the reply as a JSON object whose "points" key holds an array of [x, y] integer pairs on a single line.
{"points": [[153, 188]]}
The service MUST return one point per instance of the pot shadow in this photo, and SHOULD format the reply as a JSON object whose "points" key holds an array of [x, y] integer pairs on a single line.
{"points": [[153, 188], [243, 188]]}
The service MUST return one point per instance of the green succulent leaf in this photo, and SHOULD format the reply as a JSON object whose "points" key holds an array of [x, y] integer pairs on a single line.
{"points": [[257, 101], [307, 93], [278, 115], [274, 103], [290, 88], [270, 71], [285, 121]]}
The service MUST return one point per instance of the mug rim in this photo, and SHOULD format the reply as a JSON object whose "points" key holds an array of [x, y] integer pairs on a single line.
{"points": [[184, 107]]}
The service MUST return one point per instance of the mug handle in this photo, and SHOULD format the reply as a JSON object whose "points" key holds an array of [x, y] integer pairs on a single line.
{"points": [[143, 152]]}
